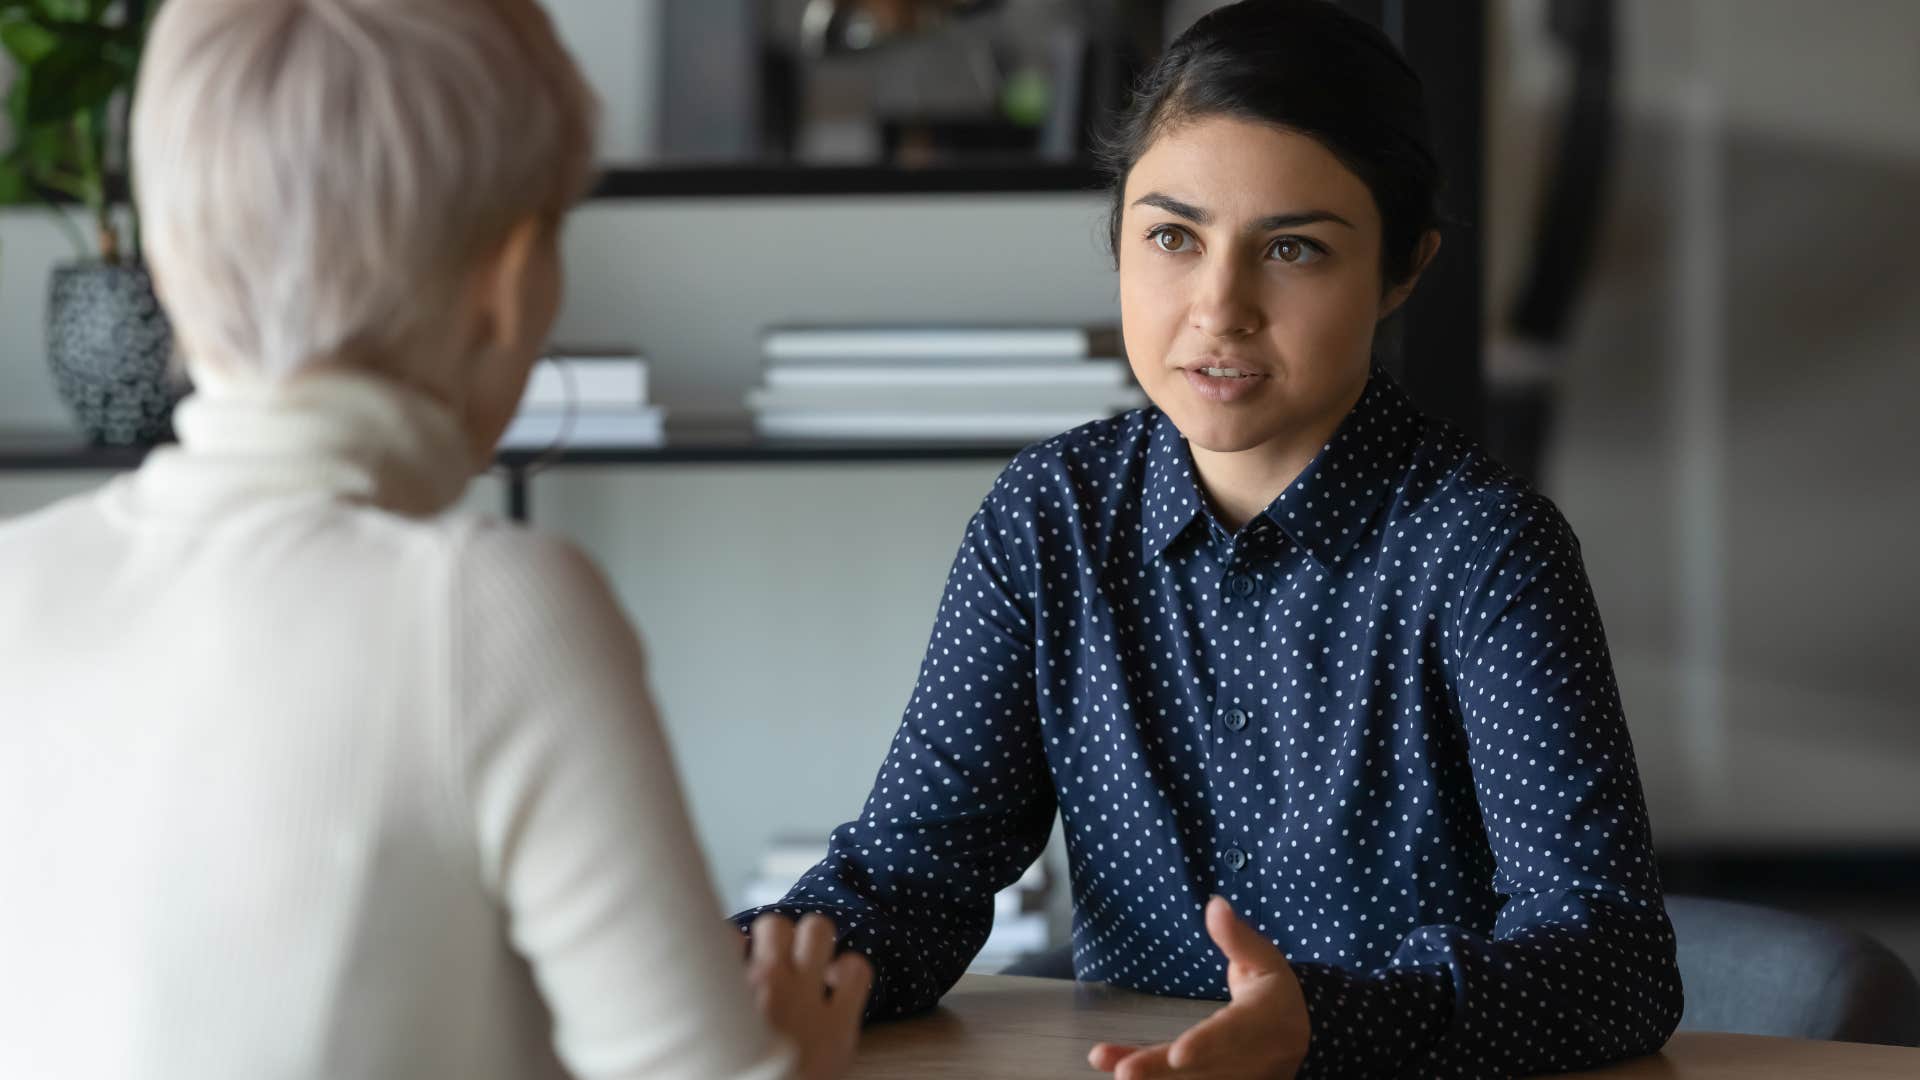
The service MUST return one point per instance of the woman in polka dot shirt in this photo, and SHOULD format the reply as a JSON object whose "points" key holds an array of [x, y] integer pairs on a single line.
{"points": [[1279, 639]]}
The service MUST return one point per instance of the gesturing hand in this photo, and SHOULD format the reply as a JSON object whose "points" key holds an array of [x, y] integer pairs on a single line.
{"points": [[807, 995], [1261, 1035]]}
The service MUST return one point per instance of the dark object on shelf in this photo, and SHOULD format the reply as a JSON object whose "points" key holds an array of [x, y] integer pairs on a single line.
{"points": [[1524, 389], [917, 142], [111, 350], [1436, 348], [832, 27]]}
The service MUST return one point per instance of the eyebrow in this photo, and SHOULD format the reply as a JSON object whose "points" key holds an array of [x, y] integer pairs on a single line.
{"points": [[1266, 224]]}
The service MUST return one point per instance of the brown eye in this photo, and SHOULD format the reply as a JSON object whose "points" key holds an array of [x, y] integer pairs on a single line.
{"points": [[1171, 240], [1290, 249]]}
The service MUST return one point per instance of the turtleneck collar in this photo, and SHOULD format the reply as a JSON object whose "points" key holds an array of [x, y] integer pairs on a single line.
{"points": [[347, 435]]}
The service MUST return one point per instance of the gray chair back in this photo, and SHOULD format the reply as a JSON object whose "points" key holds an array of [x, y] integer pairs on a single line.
{"points": [[1752, 971], [1757, 971]]}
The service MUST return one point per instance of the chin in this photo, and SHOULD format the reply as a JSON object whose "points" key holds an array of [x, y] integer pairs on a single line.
{"points": [[1221, 430]]}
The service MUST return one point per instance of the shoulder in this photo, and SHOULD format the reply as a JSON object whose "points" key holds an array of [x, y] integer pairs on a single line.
{"points": [[512, 572], [538, 632], [485, 562], [1069, 469], [1457, 488], [498, 551]]}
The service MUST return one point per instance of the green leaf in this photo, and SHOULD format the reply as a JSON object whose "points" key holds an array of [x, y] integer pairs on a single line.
{"points": [[48, 157], [64, 10], [96, 35], [28, 42], [17, 101], [14, 188], [19, 98], [41, 150], [69, 81], [69, 12]]}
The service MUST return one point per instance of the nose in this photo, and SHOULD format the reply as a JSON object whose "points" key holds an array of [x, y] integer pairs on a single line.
{"points": [[1226, 302]]}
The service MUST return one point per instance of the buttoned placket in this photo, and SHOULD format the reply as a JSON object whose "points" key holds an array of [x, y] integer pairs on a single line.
{"points": [[1245, 575]]}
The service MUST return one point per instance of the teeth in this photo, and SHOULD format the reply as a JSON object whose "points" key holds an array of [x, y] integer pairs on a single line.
{"points": [[1225, 372]]}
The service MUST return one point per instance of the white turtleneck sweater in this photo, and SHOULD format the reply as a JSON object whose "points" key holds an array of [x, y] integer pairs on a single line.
{"points": [[302, 776]]}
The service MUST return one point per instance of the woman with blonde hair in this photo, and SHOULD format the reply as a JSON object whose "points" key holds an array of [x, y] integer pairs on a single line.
{"points": [[302, 773]]}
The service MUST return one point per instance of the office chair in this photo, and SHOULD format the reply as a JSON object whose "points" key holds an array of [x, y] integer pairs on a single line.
{"points": [[1753, 971], [1757, 971]]}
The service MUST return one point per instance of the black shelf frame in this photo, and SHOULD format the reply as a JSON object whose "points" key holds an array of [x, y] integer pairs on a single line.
{"points": [[56, 452], [1882, 874], [777, 181]]}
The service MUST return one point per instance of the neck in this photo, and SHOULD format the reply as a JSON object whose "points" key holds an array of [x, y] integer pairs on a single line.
{"points": [[1241, 484], [354, 435]]}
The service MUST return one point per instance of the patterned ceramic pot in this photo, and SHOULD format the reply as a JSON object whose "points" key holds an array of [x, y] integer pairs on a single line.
{"points": [[111, 348]]}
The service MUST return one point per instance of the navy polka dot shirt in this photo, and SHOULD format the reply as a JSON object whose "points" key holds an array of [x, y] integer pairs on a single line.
{"points": [[1380, 719]]}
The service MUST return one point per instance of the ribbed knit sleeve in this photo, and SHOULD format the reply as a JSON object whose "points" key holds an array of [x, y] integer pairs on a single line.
{"points": [[581, 829]]}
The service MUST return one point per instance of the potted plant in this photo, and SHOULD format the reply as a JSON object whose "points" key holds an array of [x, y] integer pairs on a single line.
{"points": [[109, 343]]}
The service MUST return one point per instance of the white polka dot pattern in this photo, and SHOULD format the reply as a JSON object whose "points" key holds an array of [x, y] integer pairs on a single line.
{"points": [[1380, 719]]}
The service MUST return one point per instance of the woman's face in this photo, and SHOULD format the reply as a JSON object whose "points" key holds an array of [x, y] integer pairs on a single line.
{"points": [[1249, 284]]}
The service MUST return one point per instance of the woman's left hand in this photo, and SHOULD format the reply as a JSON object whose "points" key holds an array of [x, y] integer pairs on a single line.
{"points": [[1261, 1035]]}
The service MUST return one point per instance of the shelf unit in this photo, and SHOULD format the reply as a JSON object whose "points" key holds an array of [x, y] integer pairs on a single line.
{"points": [[715, 444]]}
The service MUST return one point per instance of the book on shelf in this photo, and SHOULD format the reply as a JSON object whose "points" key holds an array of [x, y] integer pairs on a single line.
{"points": [[587, 378], [975, 344], [962, 399], [922, 426], [1068, 374], [585, 429], [792, 854], [1012, 937], [1021, 923], [785, 860]]}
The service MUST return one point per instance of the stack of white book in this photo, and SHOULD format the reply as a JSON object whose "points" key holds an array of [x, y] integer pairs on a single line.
{"points": [[587, 398], [1021, 924], [785, 860], [992, 384]]}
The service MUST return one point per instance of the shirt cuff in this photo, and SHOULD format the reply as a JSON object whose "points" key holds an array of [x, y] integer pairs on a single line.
{"points": [[1375, 1023]]}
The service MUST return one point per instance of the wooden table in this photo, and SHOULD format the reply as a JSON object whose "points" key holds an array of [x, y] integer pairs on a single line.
{"points": [[1011, 1028]]}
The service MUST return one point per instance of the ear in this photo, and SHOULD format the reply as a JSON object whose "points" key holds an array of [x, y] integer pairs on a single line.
{"points": [[1429, 247], [503, 290]]}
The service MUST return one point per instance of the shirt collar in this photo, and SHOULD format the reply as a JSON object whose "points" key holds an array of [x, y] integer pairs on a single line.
{"points": [[1328, 506], [1172, 493]]}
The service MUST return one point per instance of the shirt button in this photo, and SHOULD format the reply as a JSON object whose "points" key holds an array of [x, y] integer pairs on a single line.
{"points": [[1237, 859], [1242, 585], [1235, 719]]}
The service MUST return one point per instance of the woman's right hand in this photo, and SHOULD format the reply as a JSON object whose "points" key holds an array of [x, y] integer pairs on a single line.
{"points": [[809, 996]]}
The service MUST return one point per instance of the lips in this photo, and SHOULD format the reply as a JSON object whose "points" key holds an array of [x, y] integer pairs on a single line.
{"points": [[1222, 382], [1218, 365]]}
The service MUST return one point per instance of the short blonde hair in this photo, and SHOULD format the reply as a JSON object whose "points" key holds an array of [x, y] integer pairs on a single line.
{"points": [[318, 178]]}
